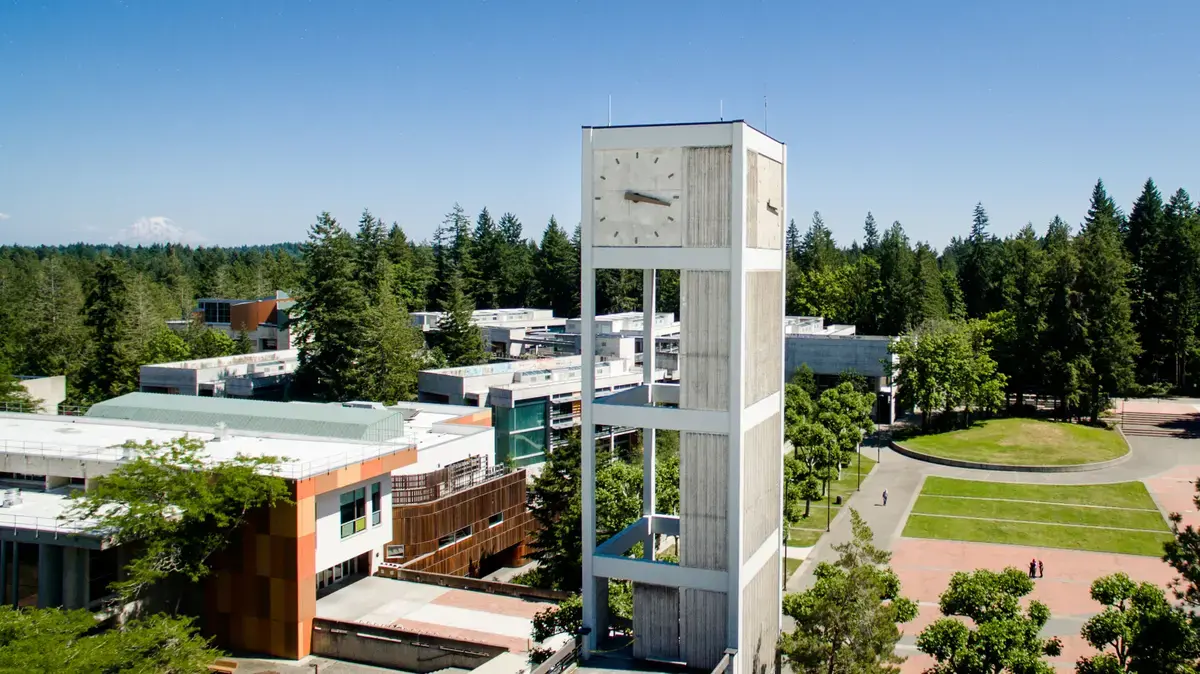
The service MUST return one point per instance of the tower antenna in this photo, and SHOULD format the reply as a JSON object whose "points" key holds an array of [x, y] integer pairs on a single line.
{"points": [[722, 109], [764, 113], [610, 109]]}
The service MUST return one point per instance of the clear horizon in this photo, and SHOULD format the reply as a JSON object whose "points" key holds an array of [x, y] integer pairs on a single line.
{"points": [[227, 123]]}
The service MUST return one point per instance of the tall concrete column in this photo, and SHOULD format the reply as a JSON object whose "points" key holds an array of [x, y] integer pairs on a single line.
{"points": [[50, 574], [75, 576]]}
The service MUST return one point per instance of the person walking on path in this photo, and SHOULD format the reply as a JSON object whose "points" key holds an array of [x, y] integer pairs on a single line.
{"points": [[1033, 568], [885, 497], [1041, 570]]}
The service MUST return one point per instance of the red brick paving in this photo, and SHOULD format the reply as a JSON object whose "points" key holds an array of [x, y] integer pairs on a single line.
{"points": [[1174, 491], [490, 603], [925, 567], [514, 644]]}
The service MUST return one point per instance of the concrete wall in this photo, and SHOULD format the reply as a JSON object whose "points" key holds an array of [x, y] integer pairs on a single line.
{"points": [[397, 649], [50, 390], [656, 613], [834, 355], [331, 547]]}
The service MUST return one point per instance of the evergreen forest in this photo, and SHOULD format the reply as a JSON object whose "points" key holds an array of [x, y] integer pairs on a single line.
{"points": [[1111, 303]]}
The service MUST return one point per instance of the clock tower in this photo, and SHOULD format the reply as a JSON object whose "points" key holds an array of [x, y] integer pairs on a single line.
{"points": [[707, 200]]}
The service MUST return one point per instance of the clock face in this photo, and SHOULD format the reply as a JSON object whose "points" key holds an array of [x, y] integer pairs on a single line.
{"points": [[637, 197], [769, 222]]}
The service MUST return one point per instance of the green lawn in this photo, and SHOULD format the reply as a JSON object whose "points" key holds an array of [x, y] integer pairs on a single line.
{"points": [[1150, 520], [1052, 516], [790, 567], [1023, 442], [1121, 494], [843, 487], [802, 538], [1037, 535]]}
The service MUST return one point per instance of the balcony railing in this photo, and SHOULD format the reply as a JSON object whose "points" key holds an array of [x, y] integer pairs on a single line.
{"points": [[456, 477]]}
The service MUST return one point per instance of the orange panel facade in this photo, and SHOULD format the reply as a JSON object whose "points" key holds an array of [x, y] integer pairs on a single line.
{"points": [[248, 315], [263, 596]]}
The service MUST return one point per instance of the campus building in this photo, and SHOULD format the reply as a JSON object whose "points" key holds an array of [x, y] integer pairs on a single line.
{"points": [[535, 403], [503, 329], [265, 320], [263, 375], [342, 465], [833, 350]]}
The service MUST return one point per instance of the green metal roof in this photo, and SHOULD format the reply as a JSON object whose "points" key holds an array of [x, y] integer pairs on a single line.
{"points": [[318, 420]]}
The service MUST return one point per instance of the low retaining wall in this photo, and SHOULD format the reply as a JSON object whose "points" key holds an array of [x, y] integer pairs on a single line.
{"points": [[398, 649], [1012, 468], [474, 584]]}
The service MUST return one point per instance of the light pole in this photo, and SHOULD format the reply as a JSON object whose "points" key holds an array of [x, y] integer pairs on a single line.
{"points": [[828, 503], [859, 450]]}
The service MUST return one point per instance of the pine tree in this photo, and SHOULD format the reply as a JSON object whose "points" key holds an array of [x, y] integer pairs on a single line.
{"points": [[488, 251], [370, 246], [870, 235], [56, 341], [112, 366], [244, 344], [1148, 279], [329, 313], [793, 240], [390, 353], [1024, 310], [458, 338], [1063, 362], [1177, 273], [896, 272], [818, 252], [1110, 342], [515, 277], [977, 272], [929, 296], [557, 272]]}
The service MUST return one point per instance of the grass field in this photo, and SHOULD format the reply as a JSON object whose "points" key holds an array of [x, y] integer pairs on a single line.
{"points": [[1025, 442], [808, 531], [1118, 518], [790, 567]]}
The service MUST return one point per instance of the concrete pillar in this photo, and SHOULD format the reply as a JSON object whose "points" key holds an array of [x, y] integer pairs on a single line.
{"points": [[75, 574], [3, 570], [50, 574], [14, 561]]}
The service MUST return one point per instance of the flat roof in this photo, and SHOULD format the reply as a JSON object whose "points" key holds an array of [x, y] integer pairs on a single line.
{"points": [[317, 420], [509, 366], [44, 511], [226, 361], [478, 617], [90, 439], [722, 121]]}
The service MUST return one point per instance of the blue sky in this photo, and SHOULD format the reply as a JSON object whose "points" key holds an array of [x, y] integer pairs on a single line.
{"points": [[237, 122]]}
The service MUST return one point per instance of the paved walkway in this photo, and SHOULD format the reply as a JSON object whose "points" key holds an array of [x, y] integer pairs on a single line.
{"points": [[1167, 465]]}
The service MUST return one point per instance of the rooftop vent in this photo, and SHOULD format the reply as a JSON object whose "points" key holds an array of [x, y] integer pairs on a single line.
{"points": [[221, 432], [10, 498]]}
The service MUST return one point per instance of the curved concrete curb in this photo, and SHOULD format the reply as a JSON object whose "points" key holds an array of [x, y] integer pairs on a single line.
{"points": [[977, 465]]}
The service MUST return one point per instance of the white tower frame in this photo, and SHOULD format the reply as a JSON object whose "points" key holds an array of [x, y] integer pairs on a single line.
{"points": [[604, 560]]}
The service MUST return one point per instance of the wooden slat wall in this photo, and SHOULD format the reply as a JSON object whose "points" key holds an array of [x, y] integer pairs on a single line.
{"points": [[418, 527]]}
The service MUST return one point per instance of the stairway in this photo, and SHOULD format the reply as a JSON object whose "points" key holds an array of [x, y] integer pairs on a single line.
{"points": [[1150, 424]]}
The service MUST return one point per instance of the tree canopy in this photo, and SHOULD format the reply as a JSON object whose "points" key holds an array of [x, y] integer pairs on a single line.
{"points": [[847, 622]]}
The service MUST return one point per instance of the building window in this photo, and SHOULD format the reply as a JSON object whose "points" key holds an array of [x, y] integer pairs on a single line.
{"points": [[376, 500], [394, 551], [462, 533], [446, 541], [354, 511], [215, 312], [337, 573], [268, 344], [495, 519]]}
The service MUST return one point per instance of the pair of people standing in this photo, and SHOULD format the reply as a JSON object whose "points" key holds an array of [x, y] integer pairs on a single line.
{"points": [[1036, 569]]}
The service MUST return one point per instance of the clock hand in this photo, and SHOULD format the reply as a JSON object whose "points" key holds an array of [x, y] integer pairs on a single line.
{"points": [[637, 197], [773, 209]]}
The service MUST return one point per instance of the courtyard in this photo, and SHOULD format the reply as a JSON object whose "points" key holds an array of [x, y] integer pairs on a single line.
{"points": [[1081, 525]]}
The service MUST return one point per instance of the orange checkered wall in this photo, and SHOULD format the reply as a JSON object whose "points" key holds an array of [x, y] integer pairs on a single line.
{"points": [[263, 596]]}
